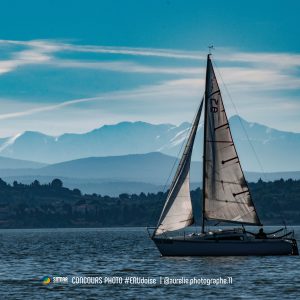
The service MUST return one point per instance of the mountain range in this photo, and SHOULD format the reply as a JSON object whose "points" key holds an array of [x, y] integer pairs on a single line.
{"points": [[112, 175], [136, 157], [108, 140], [133, 173], [275, 150]]}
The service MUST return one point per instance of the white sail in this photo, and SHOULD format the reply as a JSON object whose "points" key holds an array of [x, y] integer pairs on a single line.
{"points": [[177, 212], [227, 197]]}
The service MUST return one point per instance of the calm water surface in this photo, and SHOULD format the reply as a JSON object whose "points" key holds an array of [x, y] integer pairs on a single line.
{"points": [[28, 255]]}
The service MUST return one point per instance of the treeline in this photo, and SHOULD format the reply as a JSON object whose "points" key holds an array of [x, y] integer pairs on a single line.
{"points": [[52, 205]]}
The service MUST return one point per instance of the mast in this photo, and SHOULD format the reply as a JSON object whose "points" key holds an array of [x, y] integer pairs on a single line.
{"points": [[204, 146]]}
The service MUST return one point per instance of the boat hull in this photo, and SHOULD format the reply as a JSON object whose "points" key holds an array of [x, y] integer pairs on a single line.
{"points": [[173, 247]]}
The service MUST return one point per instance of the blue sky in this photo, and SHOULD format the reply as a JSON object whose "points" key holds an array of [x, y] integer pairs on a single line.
{"points": [[72, 66]]}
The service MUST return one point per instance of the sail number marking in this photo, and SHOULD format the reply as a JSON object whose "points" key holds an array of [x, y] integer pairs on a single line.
{"points": [[214, 109]]}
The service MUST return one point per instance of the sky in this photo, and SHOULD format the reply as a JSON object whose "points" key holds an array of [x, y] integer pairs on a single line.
{"points": [[72, 66]]}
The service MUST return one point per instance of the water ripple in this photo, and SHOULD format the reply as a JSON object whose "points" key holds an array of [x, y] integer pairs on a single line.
{"points": [[28, 255]]}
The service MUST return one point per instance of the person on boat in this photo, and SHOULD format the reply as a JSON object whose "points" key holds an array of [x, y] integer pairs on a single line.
{"points": [[261, 234]]}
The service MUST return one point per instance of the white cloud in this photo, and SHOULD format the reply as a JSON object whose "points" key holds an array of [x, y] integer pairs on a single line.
{"points": [[284, 60], [168, 53], [43, 52], [172, 101], [243, 78], [262, 59], [45, 108], [271, 70], [125, 67], [254, 80], [38, 53]]}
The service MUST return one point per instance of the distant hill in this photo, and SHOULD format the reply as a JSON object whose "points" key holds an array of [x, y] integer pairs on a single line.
{"points": [[113, 175], [276, 150], [92, 185], [11, 163], [151, 168]]}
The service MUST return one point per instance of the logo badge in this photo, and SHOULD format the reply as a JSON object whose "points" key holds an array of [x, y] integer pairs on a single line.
{"points": [[46, 280]]}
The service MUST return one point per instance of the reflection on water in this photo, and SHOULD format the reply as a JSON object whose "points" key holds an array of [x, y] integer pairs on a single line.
{"points": [[28, 255]]}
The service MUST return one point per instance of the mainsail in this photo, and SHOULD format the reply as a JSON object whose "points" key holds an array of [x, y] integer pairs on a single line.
{"points": [[177, 212], [226, 193]]}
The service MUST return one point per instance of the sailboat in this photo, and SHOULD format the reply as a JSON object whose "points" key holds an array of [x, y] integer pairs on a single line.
{"points": [[225, 194]]}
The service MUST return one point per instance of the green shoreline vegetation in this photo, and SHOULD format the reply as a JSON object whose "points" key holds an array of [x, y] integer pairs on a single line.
{"points": [[52, 205]]}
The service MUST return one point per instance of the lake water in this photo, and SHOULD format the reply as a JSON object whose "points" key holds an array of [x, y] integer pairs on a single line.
{"points": [[30, 254]]}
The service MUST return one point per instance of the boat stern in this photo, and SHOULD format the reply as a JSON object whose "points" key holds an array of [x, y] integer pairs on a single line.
{"points": [[295, 250]]}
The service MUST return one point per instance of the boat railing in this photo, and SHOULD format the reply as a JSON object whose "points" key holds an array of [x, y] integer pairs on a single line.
{"points": [[289, 236], [181, 234], [272, 235]]}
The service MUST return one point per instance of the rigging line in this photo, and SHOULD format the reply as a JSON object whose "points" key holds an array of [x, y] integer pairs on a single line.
{"points": [[180, 152], [242, 125], [248, 139]]}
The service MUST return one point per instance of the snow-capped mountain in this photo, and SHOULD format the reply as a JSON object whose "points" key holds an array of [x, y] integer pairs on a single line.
{"points": [[276, 150], [108, 140]]}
